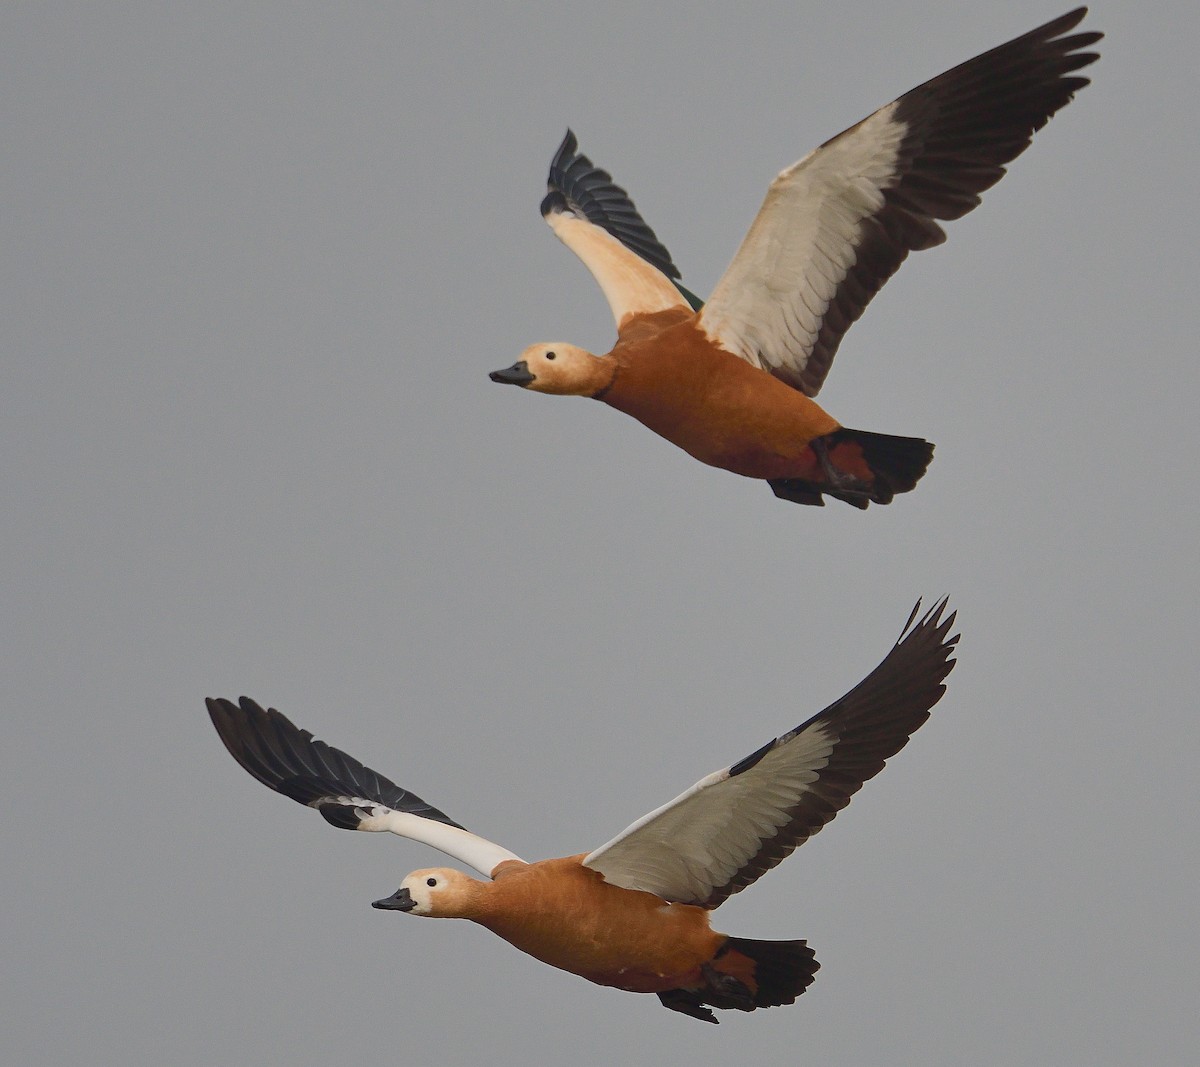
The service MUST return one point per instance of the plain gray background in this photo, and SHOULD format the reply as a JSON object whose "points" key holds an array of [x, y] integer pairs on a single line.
{"points": [[258, 260]]}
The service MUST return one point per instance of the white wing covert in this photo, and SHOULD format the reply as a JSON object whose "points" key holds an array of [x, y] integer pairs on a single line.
{"points": [[347, 794], [595, 219], [836, 225], [734, 825]]}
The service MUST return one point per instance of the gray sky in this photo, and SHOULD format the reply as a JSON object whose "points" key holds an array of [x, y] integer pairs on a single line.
{"points": [[258, 260]]}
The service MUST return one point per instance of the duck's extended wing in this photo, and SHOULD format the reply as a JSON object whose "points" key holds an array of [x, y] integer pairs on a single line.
{"points": [[731, 827], [287, 759], [595, 219], [837, 224]]}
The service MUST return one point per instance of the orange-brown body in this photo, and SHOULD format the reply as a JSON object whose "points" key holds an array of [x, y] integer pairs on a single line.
{"points": [[568, 916], [671, 376], [718, 408]]}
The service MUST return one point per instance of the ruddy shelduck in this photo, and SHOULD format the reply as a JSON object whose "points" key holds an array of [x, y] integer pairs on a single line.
{"points": [[732, 382], [634, 913]]}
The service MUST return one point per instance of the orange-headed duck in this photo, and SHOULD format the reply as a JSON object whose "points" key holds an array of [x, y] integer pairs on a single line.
{"points": [[732, 382], [634, 913]]}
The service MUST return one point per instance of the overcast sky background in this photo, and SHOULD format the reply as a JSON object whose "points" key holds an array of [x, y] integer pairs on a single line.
{"points": [[258, 259]]}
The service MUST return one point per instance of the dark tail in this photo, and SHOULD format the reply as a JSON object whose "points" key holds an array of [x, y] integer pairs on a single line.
{"points": [[782, 969], [859, 467], [745, 975]]}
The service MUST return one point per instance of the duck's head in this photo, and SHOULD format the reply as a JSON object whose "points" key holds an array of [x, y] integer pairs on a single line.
{"points": [[438, 892], [557, 368]]}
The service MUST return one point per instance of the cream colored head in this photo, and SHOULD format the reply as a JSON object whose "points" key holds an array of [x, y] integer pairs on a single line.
{"points": [[437, 892], [557, 367]]}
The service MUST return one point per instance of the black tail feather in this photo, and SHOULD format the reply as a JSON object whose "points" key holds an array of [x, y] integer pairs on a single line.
{"points": [[782, 970], [898, 462], [895, 464]]}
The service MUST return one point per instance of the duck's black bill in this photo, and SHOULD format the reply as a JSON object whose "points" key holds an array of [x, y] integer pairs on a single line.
{"points": [[517, 374], [401, 900]]}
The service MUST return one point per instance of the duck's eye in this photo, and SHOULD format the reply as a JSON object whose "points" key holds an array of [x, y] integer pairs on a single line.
{"points": [[551, 355], [431, 881]]}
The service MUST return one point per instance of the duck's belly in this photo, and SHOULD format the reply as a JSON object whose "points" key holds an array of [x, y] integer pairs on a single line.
{"points": [[750, 428], [623, 943]]}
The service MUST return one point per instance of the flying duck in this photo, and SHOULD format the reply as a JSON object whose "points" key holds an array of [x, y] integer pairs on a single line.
{"points": [[634, 913], [731, 381]]}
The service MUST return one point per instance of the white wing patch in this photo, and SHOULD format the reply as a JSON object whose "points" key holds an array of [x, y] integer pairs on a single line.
{"points": [[768, 306], [630, 284], [704, 837], [463, 845]]}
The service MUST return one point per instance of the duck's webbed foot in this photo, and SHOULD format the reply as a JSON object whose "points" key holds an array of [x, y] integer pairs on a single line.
{"points": [[837, 479], [725, 991], [689, 1003]]}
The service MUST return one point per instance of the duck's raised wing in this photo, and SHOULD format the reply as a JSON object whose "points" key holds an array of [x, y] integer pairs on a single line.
{"points": [[350, 796], [837, 224], [595, 219], [736, 824]]}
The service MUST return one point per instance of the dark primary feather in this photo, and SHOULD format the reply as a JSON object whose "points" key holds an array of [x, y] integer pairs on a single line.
{"points": [[963, 126], [287, 759], [871, 724], [583, 188]]}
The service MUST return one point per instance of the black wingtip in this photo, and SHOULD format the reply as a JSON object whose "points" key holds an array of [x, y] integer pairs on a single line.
{"points": [[928, 639], [576, 184], [933, 621], [289, 760]]}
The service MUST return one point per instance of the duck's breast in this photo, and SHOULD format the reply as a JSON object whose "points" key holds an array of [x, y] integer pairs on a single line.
{"points": [[713, 405], [566, 915]]}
